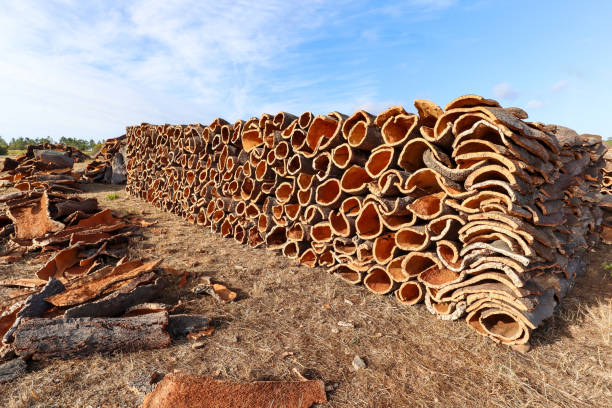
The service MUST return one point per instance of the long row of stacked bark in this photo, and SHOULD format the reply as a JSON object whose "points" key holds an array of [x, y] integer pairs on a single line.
{"points": [[606, 204], [470, 209]]}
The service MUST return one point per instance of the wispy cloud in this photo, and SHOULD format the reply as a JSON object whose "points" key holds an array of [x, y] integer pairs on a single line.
{"points": [[559, 85], [504, 90], [535, 104], [85, 70]]}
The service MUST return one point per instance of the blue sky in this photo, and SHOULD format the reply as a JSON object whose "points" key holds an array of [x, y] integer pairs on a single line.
{"points": [[87, 69]]}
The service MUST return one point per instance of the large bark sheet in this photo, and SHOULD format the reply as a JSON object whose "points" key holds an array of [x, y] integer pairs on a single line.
{"points": [[181, 390]]}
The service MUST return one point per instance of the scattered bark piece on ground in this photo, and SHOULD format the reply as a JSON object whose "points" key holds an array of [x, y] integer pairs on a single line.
{"points": [[180, 390], [13, 369]]}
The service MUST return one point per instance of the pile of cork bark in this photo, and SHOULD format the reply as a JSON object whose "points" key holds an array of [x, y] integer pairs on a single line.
{"points": [[86, 296], [606, 202], [108, 165], [470, 209]]}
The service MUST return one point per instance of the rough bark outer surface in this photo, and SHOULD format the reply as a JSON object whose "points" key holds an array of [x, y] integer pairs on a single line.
{"points": [[181, 390], [119, 174], [11, 370], [35, 305], [68, 338]]}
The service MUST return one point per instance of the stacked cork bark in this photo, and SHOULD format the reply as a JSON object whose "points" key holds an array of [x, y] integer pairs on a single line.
{"points": [[606, 203], [471, 209]]}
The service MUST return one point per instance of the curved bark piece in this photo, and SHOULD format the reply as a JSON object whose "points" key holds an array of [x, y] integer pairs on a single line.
{"points": [[396, 222], [276, 238], [254, 239], [416, 262], [378, 281], [364, 251], [321, 232], [390, 183], [286, 192], [309, 258], [381, 158], [294, 249], [340, 224], [444, 310], [470, 100], [499, 325], [428, 112], [427, 181], [411, 156], [445, 227], [533, 140], [315, 213], [305, 197], [345, 246], [343, 155], [368, 223], [430, 206], [449, 254], [33, 220], [355, 180], [398, 129], [351, 206], [459, 290], [251, 139], [298, 140], [323, 133], [283, 119], [305, 120], [360, 131], [323, 166], [330, 194], [455, 174], [395, 270], [298, 164], [413, 238], [384, 248], [347, 273], [410, 293], [496, 172], [437, 277]]}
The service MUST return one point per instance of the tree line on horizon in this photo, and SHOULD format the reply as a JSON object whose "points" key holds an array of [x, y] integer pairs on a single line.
{"points": [[21, 143]]}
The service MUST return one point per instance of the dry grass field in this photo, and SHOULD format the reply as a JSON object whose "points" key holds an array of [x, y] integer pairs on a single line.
{"points": [[286, 318]]}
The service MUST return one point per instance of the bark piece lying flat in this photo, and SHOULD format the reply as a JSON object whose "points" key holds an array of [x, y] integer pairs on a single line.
{"points": [[11, 370], [94, 285], [180, 390], [68, 338], [117, 303], [54, 158]]}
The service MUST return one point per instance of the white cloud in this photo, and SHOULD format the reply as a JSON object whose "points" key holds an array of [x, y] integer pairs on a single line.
{"points": [[535, 104], [504, 90], [559, 85], [77, 69]]}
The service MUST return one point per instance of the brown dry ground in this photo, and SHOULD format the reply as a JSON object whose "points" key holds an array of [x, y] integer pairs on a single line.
{"points": [[279, 324]]}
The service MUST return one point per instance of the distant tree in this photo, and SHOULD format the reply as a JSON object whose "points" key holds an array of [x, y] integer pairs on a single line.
{"points": [[78, 143], [3, 147]]}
